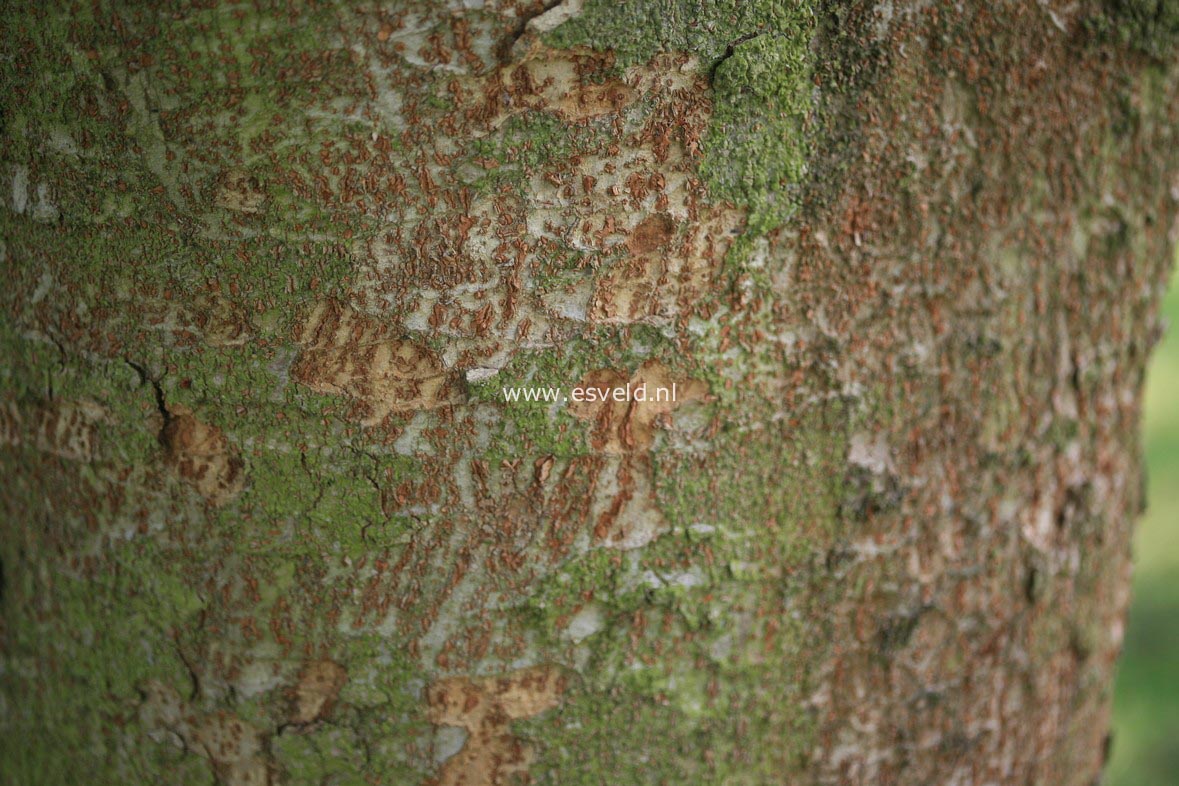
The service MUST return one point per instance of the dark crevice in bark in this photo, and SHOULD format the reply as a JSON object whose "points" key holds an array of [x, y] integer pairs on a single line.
{"points": [[729, 51], [1031, 585], [193, 678], [895, 633], [839, 558], [157, 393], [520, 32], [315, 480], [63, 364]]}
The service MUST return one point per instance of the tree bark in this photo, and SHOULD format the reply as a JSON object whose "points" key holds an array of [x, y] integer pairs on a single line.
{"points": [[272, 268]]}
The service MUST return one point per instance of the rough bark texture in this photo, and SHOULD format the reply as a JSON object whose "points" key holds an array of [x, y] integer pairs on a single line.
{"points": [[266, 517]]}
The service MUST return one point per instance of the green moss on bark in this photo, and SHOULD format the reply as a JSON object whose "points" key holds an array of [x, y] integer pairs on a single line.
{"points": [[755, 153], [1149, 26], [759, 56]]}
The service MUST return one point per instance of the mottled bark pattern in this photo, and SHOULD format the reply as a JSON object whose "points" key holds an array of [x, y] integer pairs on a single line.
{"points": [[266, 517]]}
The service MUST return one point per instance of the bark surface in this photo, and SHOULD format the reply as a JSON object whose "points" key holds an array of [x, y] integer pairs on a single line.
{"points": [[267, 518]]}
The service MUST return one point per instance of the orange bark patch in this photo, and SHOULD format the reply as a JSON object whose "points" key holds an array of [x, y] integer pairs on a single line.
{"points": [[624, 509], [485, 708], [318, 688], [347, 353], [652, 232], [629, 425], [653, 287], [561, 81], [203, 457], [575, 83]]}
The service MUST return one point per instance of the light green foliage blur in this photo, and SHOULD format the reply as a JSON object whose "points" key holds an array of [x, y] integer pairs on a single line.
{"points": [[1146, 699]]}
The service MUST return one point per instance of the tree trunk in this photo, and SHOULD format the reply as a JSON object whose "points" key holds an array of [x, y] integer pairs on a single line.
{"points": [[274, 271]]}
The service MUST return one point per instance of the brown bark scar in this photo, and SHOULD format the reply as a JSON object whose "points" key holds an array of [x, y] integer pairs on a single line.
{"points": [[203, 457], [317, 690], [485, 708], [629, 426], [67, 429], [627, 516], [348, 353]]}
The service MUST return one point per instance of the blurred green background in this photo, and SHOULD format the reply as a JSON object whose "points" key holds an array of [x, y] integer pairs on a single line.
{"points": [[1146, 698]]}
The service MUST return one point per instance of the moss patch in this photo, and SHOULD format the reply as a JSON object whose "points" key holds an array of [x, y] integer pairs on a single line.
{"points": [[759, 55], [1149, 26], [755, 153]]}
